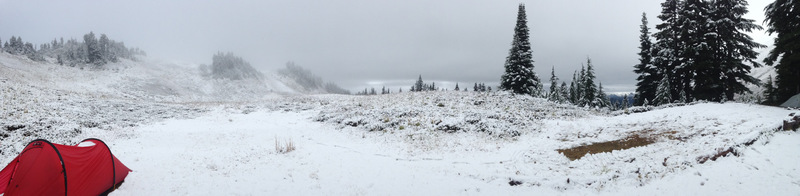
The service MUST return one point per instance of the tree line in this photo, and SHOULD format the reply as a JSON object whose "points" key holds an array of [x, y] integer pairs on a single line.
{"points": [[520, 78], [701, 52], [91, 51]]}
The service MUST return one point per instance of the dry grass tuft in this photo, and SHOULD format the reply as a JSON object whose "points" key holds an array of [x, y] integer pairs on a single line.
{"points": [[284, 147]]}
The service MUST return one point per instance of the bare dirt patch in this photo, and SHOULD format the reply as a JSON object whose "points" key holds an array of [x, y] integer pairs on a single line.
{"points": [[632, 141]]}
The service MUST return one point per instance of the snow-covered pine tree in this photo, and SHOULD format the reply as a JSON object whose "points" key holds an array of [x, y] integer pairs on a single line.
{"points": [[563, 96], [601, 99], [738, 46], [699, 70], [589, 87], [682, 98], [573, 90], [662, 93], [475, 87], [781, 19], [457, 89], [519, 76], [647, 81], [553, 94], [93, 54]]}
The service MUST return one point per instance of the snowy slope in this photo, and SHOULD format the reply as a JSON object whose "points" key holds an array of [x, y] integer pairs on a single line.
{"points": [[185, 135], [228, 152]]}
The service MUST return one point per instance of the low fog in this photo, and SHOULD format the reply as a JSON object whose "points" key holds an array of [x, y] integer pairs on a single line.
{"points": [[363, 44]]}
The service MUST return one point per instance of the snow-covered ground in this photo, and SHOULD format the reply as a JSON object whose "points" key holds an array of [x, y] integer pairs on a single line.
{"points": [[183, 134]]}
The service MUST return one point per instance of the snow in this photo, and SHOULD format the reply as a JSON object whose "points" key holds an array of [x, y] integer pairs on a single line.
{"points": [[182, 136]]}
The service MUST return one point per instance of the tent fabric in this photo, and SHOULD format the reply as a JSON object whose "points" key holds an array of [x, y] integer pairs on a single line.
{"points": [[44, 168], [794, 102]]}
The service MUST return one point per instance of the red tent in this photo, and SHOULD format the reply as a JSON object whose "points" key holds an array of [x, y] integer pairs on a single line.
{"points": [[44, 168]]}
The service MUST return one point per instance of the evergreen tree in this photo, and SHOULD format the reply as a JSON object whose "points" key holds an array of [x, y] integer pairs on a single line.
{"points": [[782, 20], [519, 76], [589, 87], [457, 89], [475, 87], [418, 86], [770, 93], [662, 93], [563, 96], [666, 50], [93, 53], [573, 90], [554, 93], [648, 74], [736, 45], [601, 99], [682, 98]]}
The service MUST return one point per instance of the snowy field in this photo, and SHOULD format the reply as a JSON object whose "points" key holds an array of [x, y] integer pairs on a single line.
{"points": [[194, 136]]}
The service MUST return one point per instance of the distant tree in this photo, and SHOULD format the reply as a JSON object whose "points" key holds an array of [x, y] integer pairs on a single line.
{"points": [[553, 95], [419, 85], [475, 87], [105, 46], [456, 89], [626, 101], [400, 90], [94, 55], [601, 99], [372, 91], [573, 90], [519, 76], [781, 20], [563, 93], [770, 93]]}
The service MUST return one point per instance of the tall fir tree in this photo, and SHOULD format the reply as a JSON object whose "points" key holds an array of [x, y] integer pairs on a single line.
{"points": [[666, 50], [647, 81], [457, 89], [589, 87], [782, 20], [519, 76], [736, 46]]}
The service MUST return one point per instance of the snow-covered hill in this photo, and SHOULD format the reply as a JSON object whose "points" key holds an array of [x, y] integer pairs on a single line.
{"points": [[185, 134]]}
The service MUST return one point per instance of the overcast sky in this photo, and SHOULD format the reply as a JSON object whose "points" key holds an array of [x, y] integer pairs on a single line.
{"points": [[363, 43]]}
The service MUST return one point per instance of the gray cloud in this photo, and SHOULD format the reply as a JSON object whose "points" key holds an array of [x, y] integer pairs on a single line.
{"points": [[361, 43]]}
